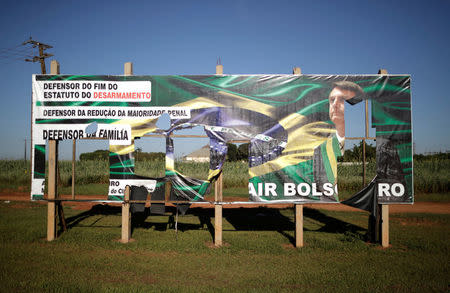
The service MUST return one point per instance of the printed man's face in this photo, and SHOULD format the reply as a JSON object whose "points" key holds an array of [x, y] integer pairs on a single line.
{"points": [[337, 100]]}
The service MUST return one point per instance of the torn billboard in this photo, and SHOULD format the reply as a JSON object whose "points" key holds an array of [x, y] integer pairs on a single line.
{"points": [[295, 125]]}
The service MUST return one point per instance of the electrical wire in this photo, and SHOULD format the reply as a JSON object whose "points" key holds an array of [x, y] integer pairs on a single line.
{"points": [[15, 53]]}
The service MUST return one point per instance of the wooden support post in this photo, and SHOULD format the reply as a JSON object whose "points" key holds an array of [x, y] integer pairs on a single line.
{"points": [[218, 240], [218, 196], [384, 209], [167, 189], [128, 69], [74, 151], [298, 225], [364, 162], [52, 175], [126, 217], [52, 189], [366, 136], [298, 208], [384, 225], [219, 69]]}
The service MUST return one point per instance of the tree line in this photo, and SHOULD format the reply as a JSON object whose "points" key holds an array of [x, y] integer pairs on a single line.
{"points": [[139, 155], [240, 153]]}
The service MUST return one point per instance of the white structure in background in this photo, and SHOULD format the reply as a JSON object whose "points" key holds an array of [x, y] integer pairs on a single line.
{"points": [[200, 155]]}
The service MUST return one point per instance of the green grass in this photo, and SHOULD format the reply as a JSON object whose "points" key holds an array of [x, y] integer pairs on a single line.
{"points": [[430, 177], [258, 255]]}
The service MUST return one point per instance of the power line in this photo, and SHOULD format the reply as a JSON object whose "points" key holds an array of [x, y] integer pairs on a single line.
{"points": [[8, 55]]}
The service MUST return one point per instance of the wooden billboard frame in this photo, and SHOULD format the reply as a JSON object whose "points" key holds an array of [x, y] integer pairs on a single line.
{"points": [[54, 202]]}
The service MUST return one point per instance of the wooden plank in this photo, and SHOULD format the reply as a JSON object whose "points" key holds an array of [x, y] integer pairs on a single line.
{"points": [[167, 190], [219, 69], [52, 189], [52, 175], [297, 71], [126, 217], [74, 151], [384, 208], [360, 138], [218, 196], [385, 225], [298, 225], [298, 208], [218, 241], [366, 136], [177, 135], [128, 69], [364, 163]]}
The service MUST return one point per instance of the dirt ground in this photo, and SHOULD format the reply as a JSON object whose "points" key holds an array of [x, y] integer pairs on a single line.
{"points": [[418, 207]]}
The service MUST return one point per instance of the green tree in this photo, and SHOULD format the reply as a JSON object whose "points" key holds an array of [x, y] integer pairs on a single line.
{"points": [[242, 154], [356, 153], [232, 153]]}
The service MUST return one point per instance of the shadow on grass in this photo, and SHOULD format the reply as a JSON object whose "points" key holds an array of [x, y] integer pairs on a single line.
{"points": [[99, 209], [241, 219]]}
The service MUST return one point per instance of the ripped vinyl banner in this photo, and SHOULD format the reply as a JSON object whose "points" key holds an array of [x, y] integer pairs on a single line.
{"points": [[295, 125]]}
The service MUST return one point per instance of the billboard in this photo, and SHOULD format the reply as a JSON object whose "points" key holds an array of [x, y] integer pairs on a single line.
{"points": [[295, 125]]}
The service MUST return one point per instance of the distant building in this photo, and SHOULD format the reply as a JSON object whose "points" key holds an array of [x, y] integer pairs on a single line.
{"points": [[200, 155]]}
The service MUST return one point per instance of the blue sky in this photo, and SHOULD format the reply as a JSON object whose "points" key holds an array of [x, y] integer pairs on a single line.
{"points": [[251, 37]]}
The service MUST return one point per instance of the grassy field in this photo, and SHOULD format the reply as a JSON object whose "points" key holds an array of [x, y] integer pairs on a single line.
{"points": [[258, 255], [430, 177]]}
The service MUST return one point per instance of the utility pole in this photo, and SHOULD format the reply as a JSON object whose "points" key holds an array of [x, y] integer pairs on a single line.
{"points": [[41, 58], [42, 55]]}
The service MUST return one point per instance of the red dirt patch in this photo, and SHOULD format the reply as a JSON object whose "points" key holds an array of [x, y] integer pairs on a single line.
{"points": [[288, 246], [418, 207], [213, 246]]}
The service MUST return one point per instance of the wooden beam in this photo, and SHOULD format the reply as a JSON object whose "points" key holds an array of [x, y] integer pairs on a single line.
{"points": [[385, 225], [52, 189], [384, 209], [366, 136], [74, 152], [219, 69], [52, 175], [218, 240], [360, 138], [218, 196], [297, 71], [128, 69], [167, 190], [126, 217], [298, 208], [298, 225]]}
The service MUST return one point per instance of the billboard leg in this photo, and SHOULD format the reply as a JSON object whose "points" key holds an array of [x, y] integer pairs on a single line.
{"points": [[218, 196], [384, 225], [126, 217], [52, 189], [298, 225]]}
